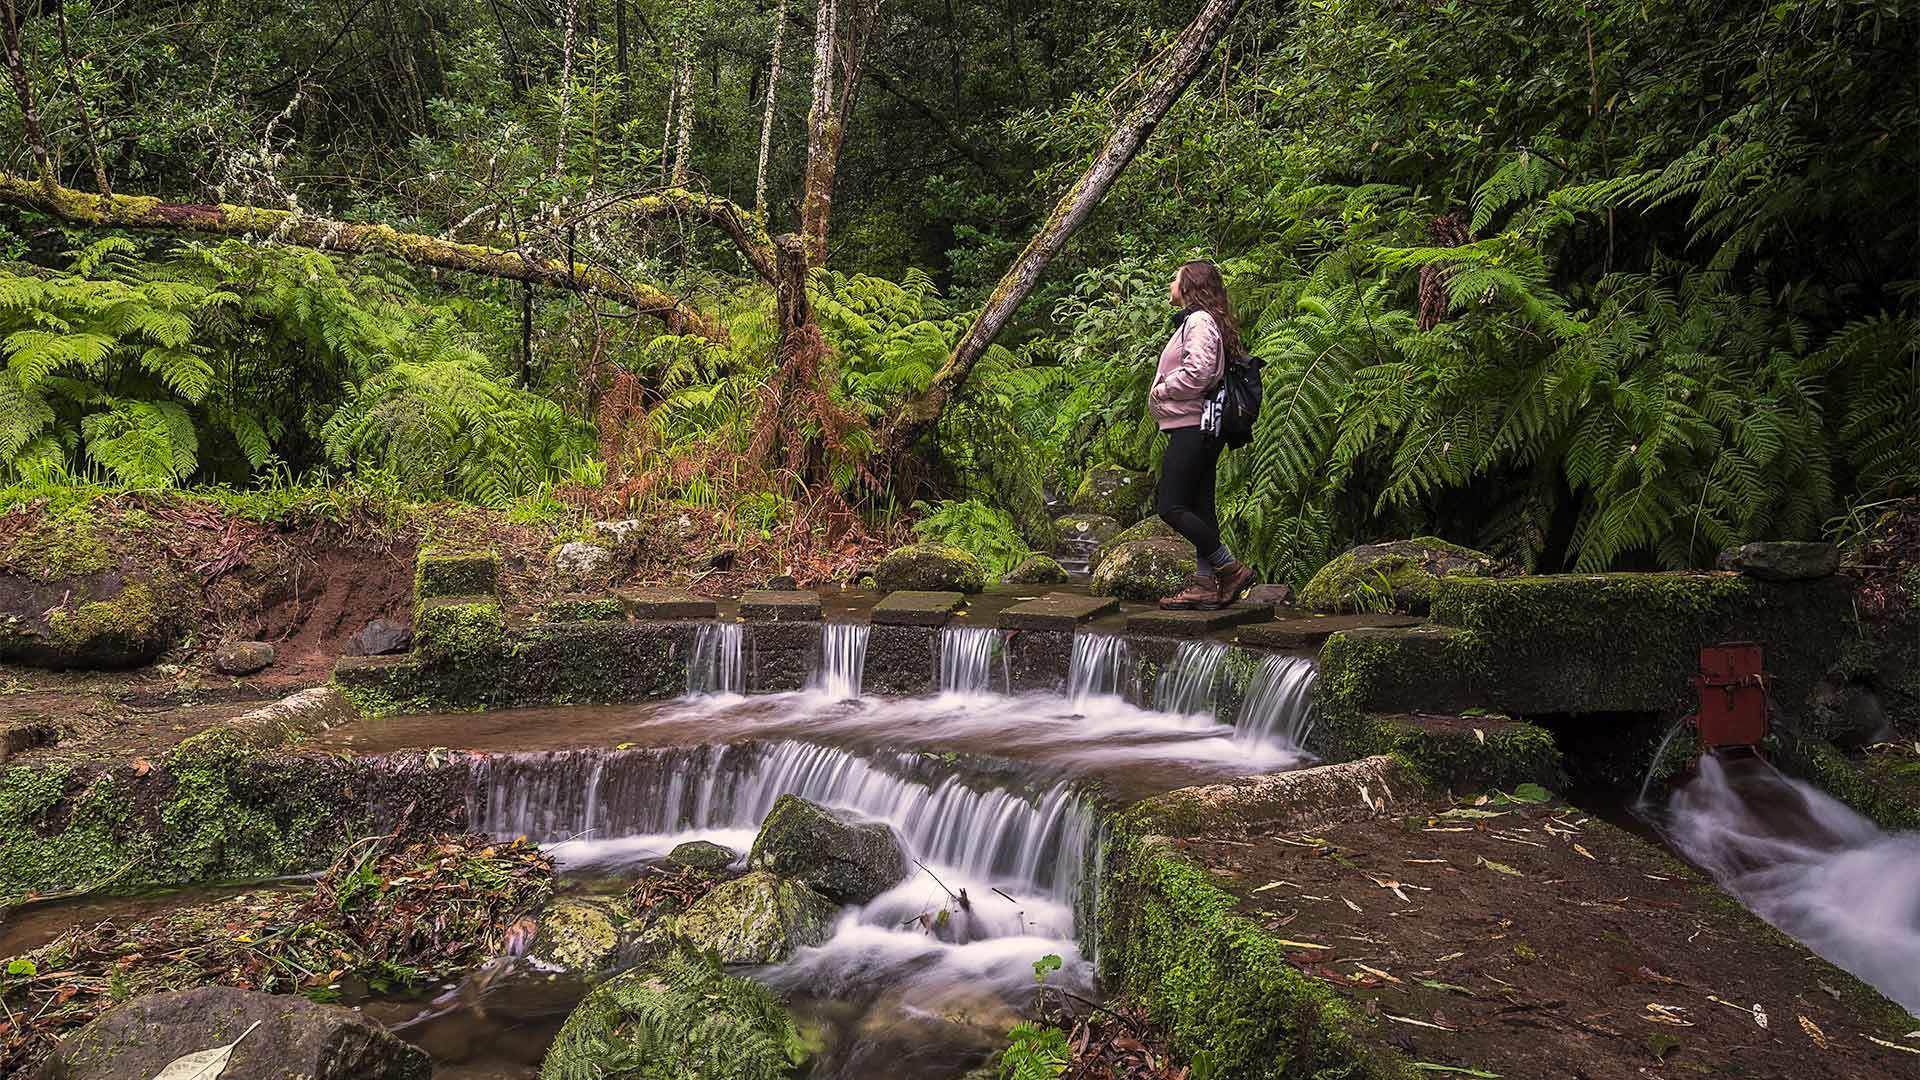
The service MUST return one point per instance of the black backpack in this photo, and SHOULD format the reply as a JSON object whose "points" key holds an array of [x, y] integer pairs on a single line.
{"points": [[1234, 404]]}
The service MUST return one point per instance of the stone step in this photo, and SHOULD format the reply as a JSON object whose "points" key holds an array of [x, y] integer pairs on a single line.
{"points": [[911, 608], [1307, 631], [780, 605], [655, 605], [1056, 611], [1196, 623]]}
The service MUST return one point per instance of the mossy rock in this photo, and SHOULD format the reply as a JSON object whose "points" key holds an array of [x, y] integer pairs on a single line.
{"points": [[1144, 570], [761, 918], [59, 546], [458, 630], [676, 1018], [1076, 530], [577, 936], [1400, 575], [109, 620], [1149, 529], [1119, 493], [444, 573], [1037, 570], [930, 568], [586, 607], [846, 861], [703, 855]]}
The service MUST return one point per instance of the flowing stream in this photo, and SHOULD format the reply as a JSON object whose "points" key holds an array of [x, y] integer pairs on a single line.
{"points": [[1804, 862]]}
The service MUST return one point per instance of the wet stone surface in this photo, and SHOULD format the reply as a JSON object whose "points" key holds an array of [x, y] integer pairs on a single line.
{"points": [[1533, 940], [654, 604], [1196, 623], [780, 605], [1301, 632], [1056, 611], [911, 608]]}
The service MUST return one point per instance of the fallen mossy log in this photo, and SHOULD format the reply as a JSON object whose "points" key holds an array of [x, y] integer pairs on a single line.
{"points": [[349, 238]]}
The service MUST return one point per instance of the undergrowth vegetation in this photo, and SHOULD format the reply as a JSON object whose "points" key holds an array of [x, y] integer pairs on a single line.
{"points": [[1588, 286]]}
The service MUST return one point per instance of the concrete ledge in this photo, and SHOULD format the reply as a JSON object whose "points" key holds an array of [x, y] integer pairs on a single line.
{"points": [[1196, 623], [660, 604], [1459, 753], [780, 605], [1303, 799], [586, 607], [1402, 669], [909, 608], [1304, 633], [1056, 611]]}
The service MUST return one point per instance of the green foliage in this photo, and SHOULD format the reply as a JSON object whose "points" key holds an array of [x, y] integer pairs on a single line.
{"points": [[988, 534], [1037, 1052]]}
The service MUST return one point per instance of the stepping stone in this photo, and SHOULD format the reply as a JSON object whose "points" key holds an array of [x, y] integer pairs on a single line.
{"points": [[909, 608], [1191, 624], [780, 605], [1056, 611], [650, 605], [1303, 632]]}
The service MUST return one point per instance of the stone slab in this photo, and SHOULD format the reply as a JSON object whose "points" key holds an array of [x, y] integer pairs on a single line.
{"points": [[780, 605], [1196, 623], [1056, 611], [1307, 631], [659, 604], [910, 608]]}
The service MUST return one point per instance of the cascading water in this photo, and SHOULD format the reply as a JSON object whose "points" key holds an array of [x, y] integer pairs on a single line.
{"points": [[1186, 684], [1279, 706], [843, 660], [1102, 666], [714, 666], [601, 805], [1809, 865], [967, 655]]}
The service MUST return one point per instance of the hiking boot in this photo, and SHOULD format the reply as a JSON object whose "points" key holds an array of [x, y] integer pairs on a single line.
{"points": [[1234, 580], [1199, 594]]}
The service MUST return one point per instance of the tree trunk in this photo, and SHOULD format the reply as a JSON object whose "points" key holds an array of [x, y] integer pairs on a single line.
{"points": [[621, 57], [23, 90], [823, 141], [141, 212], [80, 98], [683, 143], [1188, 54], [766, 116]]}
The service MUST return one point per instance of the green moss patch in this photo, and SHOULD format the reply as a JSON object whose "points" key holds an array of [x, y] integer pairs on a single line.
{"points": [[438, 572], [1399, 575]]}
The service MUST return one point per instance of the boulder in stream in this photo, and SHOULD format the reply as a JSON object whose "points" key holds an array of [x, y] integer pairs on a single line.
{"points": [[1085, 529], [846, 861], [930, 568], [1036, 569], [1398, 575], [1120, 493], [577, 935], [757, 919], [294, 1038], [676, 1018], [703, 855], [1144, 570]]}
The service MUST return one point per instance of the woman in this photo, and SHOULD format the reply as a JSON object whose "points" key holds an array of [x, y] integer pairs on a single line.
{"points": [[1190, 366]]}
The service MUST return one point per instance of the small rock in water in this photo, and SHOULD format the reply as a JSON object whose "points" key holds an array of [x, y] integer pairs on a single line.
{"points": [[381, 637], [294, 1037], [758, 919], [783, 583], [703, 855], [1270, 594], [1036, 570], [846, 861], [242, 657]]}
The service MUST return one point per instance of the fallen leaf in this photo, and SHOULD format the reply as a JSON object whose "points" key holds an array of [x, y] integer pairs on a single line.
{"points": [[1417, 1023], [1455, 987], [1378, 973], [1470, 812], [203, 1064], [1285, 944], [1480, 735], [1477, 1074], [1583, 852], [1350, 903], [1893, 1046], [1500, 868], [1813, 1032]]}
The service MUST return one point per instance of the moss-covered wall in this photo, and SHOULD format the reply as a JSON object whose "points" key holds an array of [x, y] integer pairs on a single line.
{"points": [[1217, 982]]}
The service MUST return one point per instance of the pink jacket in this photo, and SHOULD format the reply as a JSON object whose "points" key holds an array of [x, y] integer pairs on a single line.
{"points": [[1189, 365]]}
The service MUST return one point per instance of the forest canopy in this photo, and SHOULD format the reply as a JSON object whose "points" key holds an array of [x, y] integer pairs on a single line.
{"points": [[1587, 285]]}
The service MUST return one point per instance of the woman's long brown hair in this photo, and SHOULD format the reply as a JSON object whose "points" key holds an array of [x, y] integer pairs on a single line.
{"points": [[1201, 287]]}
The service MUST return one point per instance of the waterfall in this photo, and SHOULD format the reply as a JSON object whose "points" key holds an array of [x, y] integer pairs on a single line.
{"points": [[1102, 666], [967, 655], [1279, 705], [843, 660], [714, 665], [1033, 842], [1186, 683], [1807, 864]]}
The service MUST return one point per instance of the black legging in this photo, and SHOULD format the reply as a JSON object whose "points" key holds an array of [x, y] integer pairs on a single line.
{"points": [[1185, 498]]}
